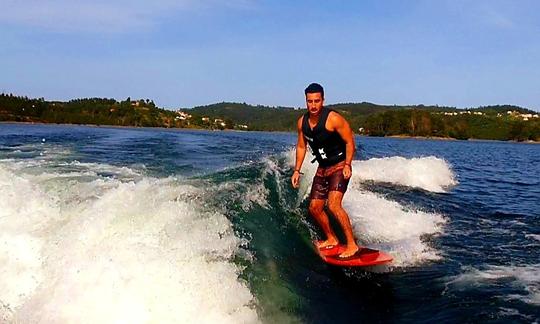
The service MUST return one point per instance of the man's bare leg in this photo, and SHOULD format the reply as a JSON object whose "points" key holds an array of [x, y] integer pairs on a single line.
{"points": [[316, 209], [334, 204]]}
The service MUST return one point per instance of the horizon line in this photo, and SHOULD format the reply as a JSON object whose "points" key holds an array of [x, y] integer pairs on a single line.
{"points": [[280, 106]]}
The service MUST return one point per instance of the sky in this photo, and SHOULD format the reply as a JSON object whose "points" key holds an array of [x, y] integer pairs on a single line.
{"points": [[185, 53]]}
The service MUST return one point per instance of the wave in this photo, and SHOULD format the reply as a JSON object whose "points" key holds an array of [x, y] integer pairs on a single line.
{"points": [[93, 242], [104, 250], [392, 227], [386, 224], [427, 173], [523, 280], [533, 236]]}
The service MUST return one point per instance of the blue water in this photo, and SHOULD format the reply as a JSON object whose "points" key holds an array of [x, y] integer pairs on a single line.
{"points": [[476, 260]]}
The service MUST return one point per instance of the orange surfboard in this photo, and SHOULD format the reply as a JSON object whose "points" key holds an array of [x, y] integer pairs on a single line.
{"points": [[363, 258]]}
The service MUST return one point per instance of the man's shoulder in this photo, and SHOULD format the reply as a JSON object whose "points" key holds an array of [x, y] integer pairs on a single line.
{"points": [[335, 118], [300, 121]]}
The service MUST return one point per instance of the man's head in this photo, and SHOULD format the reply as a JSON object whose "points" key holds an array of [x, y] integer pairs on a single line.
{"points": [[315, 88], [314, 98]]}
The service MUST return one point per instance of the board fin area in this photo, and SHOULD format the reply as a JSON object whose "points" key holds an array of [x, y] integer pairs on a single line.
{"points": [[363, 258]]}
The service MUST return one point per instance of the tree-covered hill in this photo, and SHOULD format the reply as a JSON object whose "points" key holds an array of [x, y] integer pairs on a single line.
{"points": [[503, 109], [489, 122], [255, 117], [95, 111], [483, 123], [501, 122]]}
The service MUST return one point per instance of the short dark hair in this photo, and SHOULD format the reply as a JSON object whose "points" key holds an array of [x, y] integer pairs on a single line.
{"points": [[314, 88]]}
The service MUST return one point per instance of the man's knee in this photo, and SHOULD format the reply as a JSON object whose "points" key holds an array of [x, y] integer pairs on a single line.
{"points": [[334, 206], [316, 208]]}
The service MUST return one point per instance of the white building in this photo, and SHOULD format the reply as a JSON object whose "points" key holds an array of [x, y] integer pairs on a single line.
{"points": [[183, 115]]}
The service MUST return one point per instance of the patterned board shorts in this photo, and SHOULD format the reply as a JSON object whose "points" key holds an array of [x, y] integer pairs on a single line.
{"points": [[328, 179]]}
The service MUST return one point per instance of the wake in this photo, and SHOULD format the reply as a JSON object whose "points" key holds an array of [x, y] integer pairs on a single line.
{"points": [[90, 249], [385, 224]]}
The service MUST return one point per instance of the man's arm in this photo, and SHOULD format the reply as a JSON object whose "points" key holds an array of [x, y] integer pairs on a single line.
{"points": [[300, 154], [340, 125]]}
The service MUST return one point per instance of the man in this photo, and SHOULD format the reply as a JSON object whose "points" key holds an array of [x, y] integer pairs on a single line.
{"points": [[331, 140]]}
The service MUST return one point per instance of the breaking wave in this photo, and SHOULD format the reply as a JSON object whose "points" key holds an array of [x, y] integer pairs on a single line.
{"points": [[93, 250]]}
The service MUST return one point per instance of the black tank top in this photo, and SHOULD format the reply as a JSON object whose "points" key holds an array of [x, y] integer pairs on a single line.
{"points": [[328, 147]]}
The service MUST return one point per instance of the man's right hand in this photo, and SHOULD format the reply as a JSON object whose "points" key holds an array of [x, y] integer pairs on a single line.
{"points": [[295, 179]]}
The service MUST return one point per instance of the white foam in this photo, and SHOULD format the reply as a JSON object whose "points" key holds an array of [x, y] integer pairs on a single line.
{"points": [[533, 236], [248, 192], [308, 169], [385, 224], [53, 169], [24, 214], [245, 194], [428, 173], [525, 278], [106, 251]]}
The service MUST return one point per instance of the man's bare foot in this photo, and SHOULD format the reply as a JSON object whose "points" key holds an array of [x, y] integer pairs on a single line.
{"points": [[349, 251], [321, 245]]}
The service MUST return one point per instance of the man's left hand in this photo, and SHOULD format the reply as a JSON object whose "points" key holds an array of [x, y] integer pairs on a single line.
{"points": [[347, 171]]}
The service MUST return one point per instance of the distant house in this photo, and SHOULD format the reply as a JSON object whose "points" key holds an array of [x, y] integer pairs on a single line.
{"points": [[525, 117], [205, 119], [183, 115]]}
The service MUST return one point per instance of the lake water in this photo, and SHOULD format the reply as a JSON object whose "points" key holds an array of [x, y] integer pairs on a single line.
{"points": [[108, 225]]}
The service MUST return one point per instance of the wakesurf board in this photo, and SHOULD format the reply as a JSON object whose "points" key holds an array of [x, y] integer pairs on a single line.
{"points": [[363, 258]]}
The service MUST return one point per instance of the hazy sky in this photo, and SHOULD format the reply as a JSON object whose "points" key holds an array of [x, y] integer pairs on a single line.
{"points": [[183, 53]]}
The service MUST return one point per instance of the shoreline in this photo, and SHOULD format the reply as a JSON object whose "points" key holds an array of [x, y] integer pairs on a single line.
{"points": [[266, 131], [455, 139], [424, 137], [450, 139], [121, 126]]}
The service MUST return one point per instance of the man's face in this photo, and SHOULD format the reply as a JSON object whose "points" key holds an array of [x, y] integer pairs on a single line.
{"points": [[314, 103]]}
